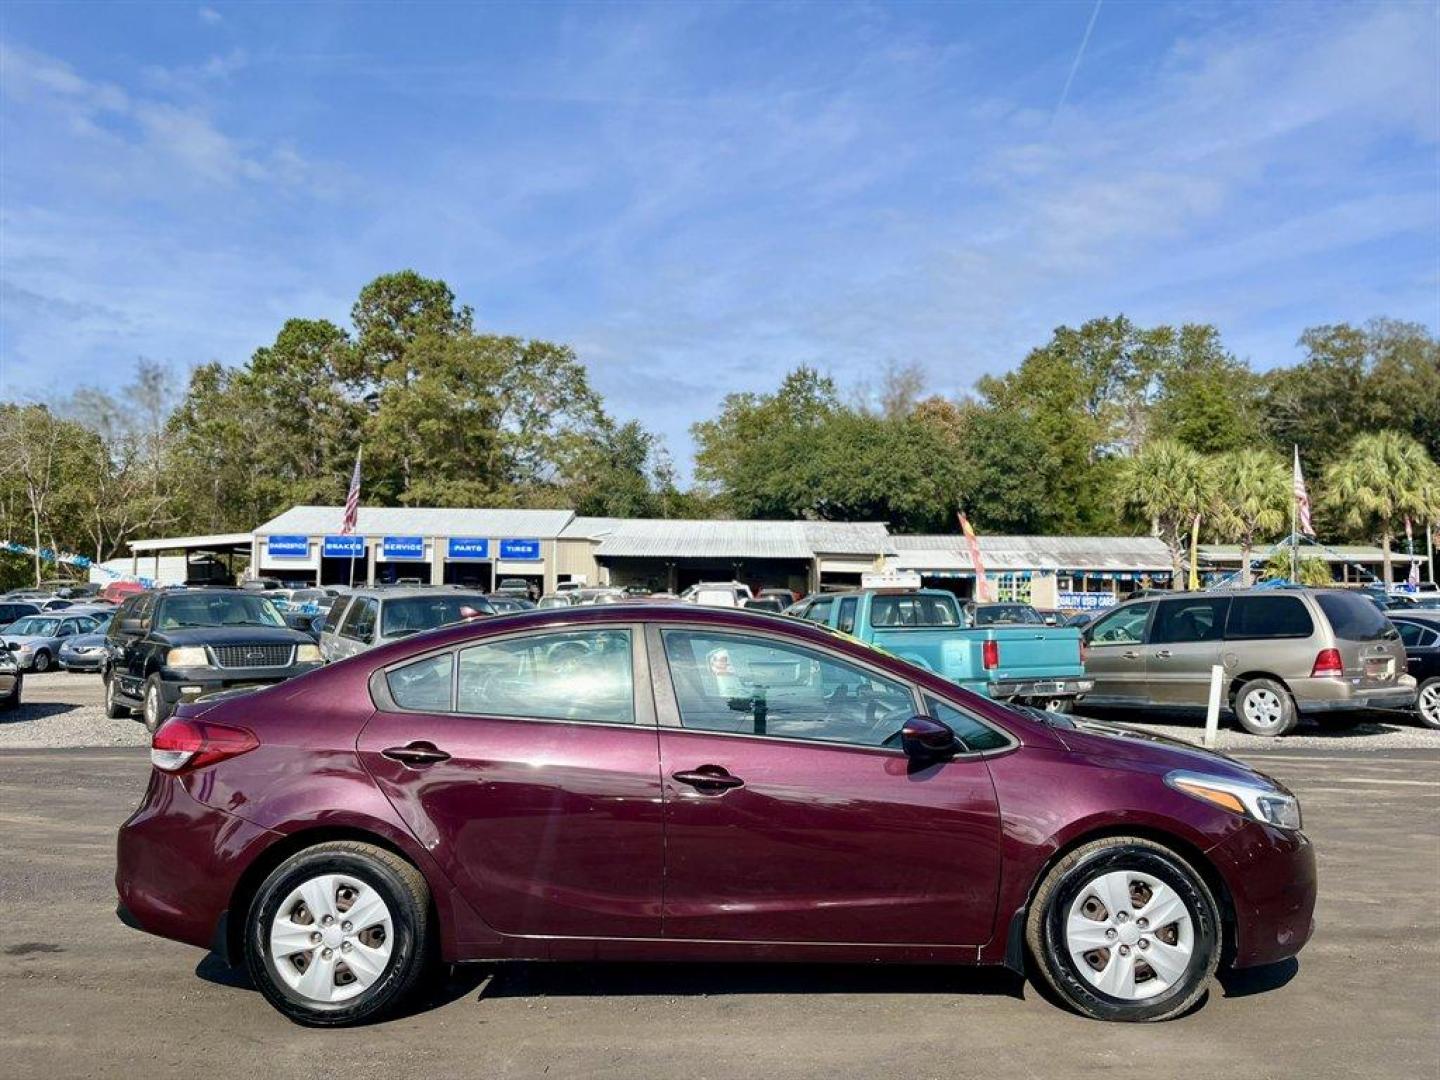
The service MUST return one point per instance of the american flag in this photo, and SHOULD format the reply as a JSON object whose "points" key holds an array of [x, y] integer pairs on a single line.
{"points": [[1302, 500], [352, 500]]}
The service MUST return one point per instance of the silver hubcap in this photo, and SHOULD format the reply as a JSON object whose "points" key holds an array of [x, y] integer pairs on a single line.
{"points": [[152, 705], [1430, 703], [331, 937], [1130, 935], [1262, 708]]}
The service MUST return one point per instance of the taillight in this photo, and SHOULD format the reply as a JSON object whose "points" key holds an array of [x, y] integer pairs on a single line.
{"points": [[1327, 662], [183, 743], [990, 655]]}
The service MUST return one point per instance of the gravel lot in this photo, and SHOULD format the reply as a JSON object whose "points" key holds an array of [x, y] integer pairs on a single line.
{"points": [[60, 709]]}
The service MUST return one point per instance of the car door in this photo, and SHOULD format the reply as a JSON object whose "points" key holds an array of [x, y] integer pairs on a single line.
{"points": [[1115, 657], [791, 815], [528, 766], [1185, 641], [128, 634]]}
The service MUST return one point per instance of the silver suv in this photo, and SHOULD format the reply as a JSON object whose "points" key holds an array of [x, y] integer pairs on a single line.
{"points": [[1286, 653], [371, 617]]}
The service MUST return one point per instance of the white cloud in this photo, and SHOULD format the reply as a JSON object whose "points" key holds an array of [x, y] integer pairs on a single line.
{"points": [[210, 15]]}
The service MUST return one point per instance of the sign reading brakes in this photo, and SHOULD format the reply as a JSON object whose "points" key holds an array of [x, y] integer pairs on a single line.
{"points": [[343, 547], [468, 547], [519, 549], [402, 547], [288, 547]]}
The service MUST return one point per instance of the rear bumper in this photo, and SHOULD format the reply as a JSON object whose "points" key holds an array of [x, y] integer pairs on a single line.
{"points": [[178, 861], [1324, 695], [1006, 690], [1271, 877]]}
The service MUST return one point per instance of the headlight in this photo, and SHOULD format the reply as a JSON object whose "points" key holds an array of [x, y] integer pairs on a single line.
{"points": [[308, 654], [1253, 800], [7, 658], [188, 656]]}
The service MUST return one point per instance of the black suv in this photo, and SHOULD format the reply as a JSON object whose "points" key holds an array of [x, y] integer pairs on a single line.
{"points": [[174, 645]]}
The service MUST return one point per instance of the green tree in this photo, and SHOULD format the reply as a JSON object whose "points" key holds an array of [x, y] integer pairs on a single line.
{"points": [[1167, 483], [1308, 570], [1250, 498], [1206, 398], [1381, 479]]}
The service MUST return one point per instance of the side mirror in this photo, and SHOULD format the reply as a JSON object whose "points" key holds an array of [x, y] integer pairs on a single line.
{"points": [[131, 626], [923, 738], [13, 646]]}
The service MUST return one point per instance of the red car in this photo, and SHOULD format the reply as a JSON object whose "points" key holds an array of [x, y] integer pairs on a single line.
{"points": [[673, 782]]}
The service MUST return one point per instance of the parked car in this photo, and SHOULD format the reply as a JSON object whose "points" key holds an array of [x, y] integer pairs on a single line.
{"points": [[555, 600], [116, 591], [509, 604], [1002, 614], [718, 593], [1420, 634], [87, 651], [517, 587], [1033, 665], [370, 617], [10, 610], [12, 681], [172, 645], [601, 595], [35, 640], [785, 596], [773, 604], [1286, 653], [560, 786], [1080, 619]]}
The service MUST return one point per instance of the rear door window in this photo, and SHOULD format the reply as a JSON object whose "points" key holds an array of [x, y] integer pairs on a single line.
{"points": [[1416, 636], [337, 609], [1181, 622], [1353, 618], [359, 624], [820, 610], [917, 609], [845, 623], [1256, 618]]}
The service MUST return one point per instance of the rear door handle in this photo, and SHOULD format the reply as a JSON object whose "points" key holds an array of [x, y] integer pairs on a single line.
{"points": [[416, 754], [709, 779], [1163, 654], [1131, 655]]}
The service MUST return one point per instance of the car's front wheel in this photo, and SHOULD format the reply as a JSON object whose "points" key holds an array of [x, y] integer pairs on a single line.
{"points": [[154, 707], [339, 933], [41, 661], [114, 709], [1427, 703], [1124, 929]]}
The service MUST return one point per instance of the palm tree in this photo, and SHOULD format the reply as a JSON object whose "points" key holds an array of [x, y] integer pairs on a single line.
{"points": [[1250, 497], [1308, 571], [1382, 478], [1168, 483]]}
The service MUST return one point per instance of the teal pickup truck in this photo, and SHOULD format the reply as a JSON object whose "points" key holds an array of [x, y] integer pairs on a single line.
{"points": [[1031, 664]]}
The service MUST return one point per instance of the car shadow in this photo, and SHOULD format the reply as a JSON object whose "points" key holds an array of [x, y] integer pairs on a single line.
{"points": [[1363, 726], [34, 711]]}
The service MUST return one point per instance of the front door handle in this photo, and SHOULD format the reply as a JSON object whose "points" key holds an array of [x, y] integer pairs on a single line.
{"points": [[709, 779], [416, 755], [1163, 654], [1131, 654]]}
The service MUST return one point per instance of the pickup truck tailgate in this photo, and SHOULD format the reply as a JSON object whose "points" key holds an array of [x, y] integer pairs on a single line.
{"points": [[1037, 652]]}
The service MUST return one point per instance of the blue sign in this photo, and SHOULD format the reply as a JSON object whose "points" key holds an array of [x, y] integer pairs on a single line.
{"points": [[520, 549], [1086, 601], [343, 547], [288, 547], [402, 547], [469, 547]]}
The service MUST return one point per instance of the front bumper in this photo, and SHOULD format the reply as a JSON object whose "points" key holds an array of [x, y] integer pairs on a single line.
{"points": [[92, 661], [1009, 690], [1271, 876], [187, 684], [1326, 696]]}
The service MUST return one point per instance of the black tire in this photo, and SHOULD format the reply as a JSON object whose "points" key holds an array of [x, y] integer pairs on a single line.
{"points": [[405, 893], [1426, 712], [1261, 697], [155, 710], [114, 709], [41, 662], [1045, 928], [11, 700]]}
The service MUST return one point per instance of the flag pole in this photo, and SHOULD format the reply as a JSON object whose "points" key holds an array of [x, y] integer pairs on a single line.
{"points": [[1295, 525]]}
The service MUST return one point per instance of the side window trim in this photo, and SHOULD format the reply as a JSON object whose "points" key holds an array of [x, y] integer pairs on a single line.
{"points": [[1012, 741]]}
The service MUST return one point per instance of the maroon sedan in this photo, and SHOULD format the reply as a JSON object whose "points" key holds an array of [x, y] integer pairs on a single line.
{"points": [[671, 782]]}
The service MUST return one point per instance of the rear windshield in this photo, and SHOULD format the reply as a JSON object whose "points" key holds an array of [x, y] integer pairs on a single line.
{"points": [[914, 610], [999, 614], [1353, 618], [416, 613]]}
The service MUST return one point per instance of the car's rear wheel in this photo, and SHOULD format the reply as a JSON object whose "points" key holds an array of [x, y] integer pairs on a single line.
{"points": [[114, 709], [1124, 929], [155, 709], [339, 933], [42, 661], [1265, 707], [1427, 703]]}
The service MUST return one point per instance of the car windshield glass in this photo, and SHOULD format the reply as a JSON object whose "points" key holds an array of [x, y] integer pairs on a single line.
{"points": [[34, 627], [997, 614], [412, 614], [914, 610], [217, 609], [1353, 618]]}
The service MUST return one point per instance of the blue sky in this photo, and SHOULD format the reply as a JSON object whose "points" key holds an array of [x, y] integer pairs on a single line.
{"points": [[699, 197]]}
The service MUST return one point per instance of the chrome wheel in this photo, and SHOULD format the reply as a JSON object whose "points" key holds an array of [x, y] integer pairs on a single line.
{"points": [[1130, 935], [331, 938], [1263, 708], [1429, 703], [42, 662], [152, 707]]}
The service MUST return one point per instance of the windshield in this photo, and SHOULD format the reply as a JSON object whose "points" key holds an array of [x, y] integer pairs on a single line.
{"points": [[1354, 618], [916, 609], [217, 609], [413, 614], [1003, 614], [35, 627]]}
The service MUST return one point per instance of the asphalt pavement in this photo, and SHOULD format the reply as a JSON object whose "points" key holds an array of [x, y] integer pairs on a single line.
{"points": [[85, 996]]}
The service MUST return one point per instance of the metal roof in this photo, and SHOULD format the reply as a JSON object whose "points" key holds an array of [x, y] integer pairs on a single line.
{"points": [[421, 521], [192, 543], [931, 552], [590, 528], [1333, 553], [654, 538]]}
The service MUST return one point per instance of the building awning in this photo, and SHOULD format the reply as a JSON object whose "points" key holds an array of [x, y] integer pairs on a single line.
{"points": [[211, 542], [420, 521], [738, 540], [949, 556]]}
